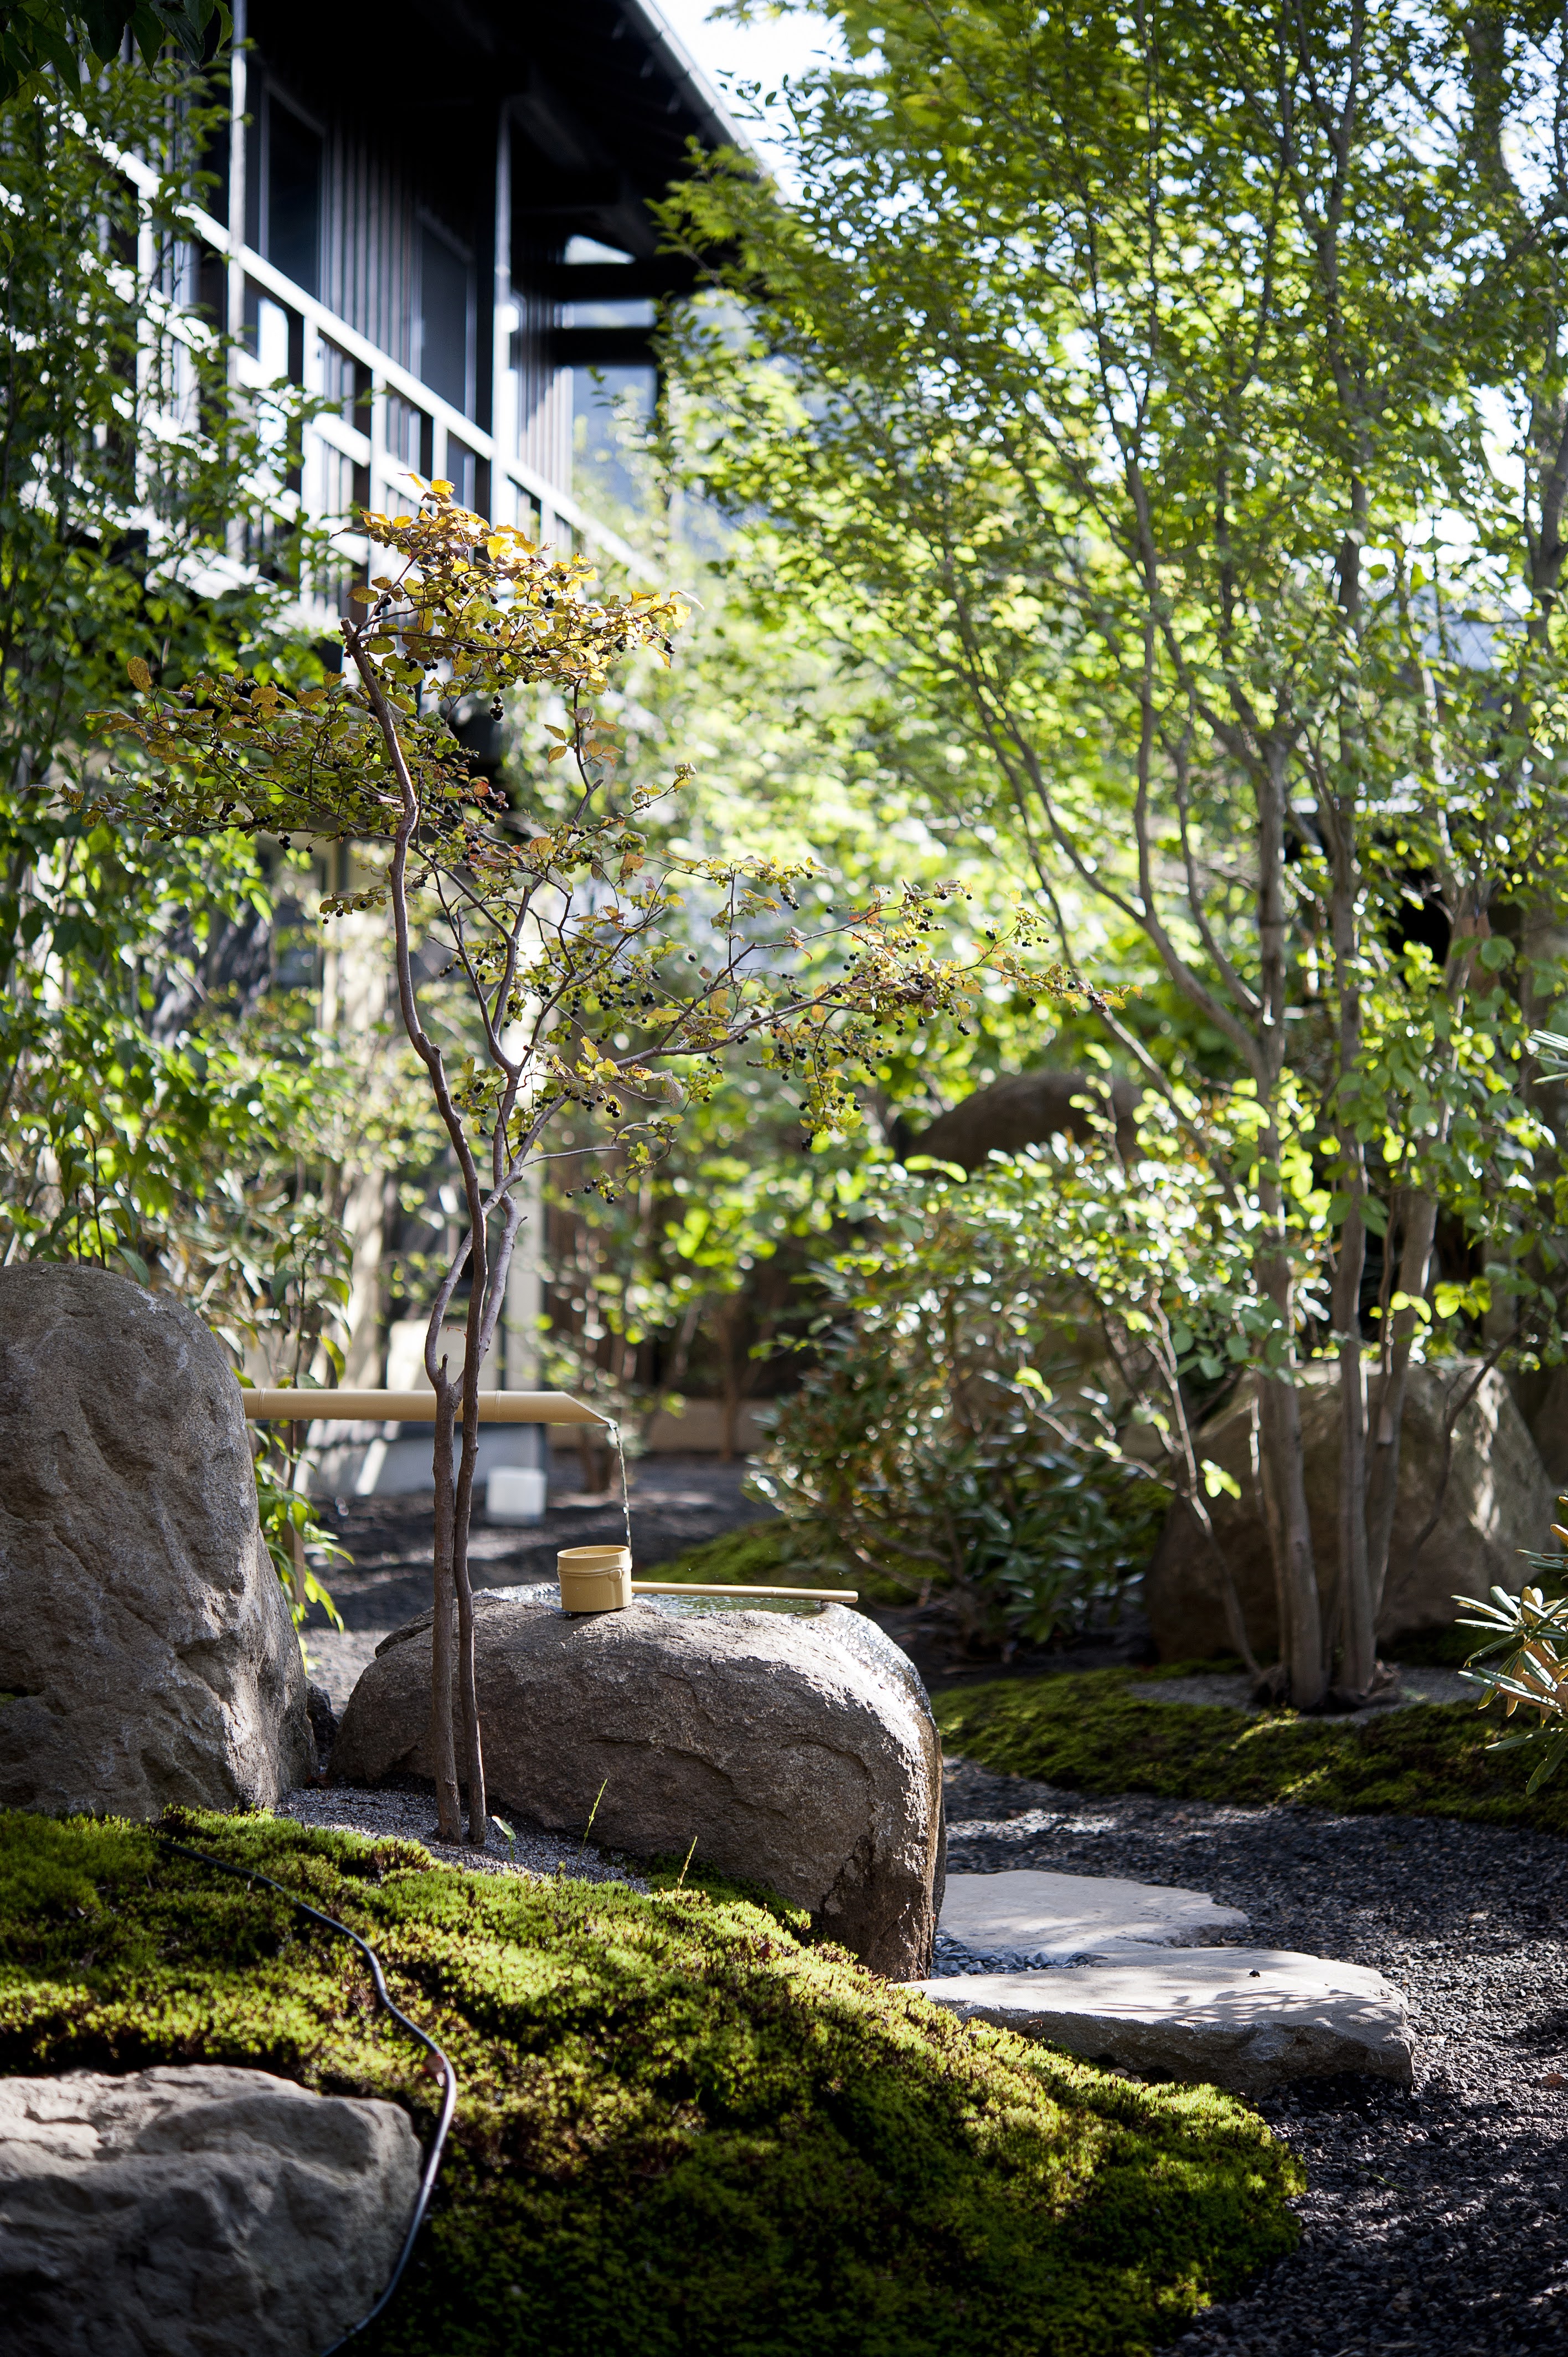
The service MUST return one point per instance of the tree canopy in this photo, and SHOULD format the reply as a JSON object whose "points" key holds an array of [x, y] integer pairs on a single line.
{"points": [[1176, 401]]}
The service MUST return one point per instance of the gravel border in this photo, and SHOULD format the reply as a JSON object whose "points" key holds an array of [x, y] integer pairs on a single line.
{"points": [[409, 1815], [1435, 2220]]}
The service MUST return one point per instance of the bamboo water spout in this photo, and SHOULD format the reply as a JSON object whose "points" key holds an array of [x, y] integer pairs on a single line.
{"points": [[307, 1406]]}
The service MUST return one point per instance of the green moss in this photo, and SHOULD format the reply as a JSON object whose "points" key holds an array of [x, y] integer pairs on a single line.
{"points": [[1095, 1732], [681, 2131]]}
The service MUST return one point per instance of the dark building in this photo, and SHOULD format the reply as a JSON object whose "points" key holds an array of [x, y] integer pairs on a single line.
{"points": [[432, 215]]}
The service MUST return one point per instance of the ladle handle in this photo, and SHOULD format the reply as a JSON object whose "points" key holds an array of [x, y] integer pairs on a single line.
{"points": [[697, 1587]]}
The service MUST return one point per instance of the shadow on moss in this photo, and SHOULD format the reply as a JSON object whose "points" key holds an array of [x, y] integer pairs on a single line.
{"points": [[681, 2131], [1095, 1732]]}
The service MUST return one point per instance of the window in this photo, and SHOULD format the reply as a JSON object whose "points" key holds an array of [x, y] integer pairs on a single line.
{"points": [[293, 195], [407, 439], [346, 383], [446, 316], [462, 473], [407, 434]]}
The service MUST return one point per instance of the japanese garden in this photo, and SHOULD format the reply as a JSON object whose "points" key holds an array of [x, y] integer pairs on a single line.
{"points": [[783, 1180]]}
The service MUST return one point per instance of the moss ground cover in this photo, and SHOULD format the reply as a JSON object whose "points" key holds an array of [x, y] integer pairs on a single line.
{"points": [[1098, 1731], [681, 2130]]}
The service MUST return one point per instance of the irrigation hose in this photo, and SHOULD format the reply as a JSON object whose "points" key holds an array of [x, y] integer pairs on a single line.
{"points": [[449, 2076]]}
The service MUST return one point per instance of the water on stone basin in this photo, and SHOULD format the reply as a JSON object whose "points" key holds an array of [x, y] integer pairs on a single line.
{"points": [[679, 1607]]}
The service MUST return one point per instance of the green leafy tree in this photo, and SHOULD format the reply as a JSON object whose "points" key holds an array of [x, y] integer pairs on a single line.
{"points": [[165, 1110], [131, 1089], [42, 36], [567, 930], [694, 1276], [696, 1273], [1175, 403], [1002, 1408]]}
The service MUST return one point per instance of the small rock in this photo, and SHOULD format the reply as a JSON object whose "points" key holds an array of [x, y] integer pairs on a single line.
{"points": [[146, 1651], [323, 1723], [195, 2211], [800, 1753], [1247, 2019]]}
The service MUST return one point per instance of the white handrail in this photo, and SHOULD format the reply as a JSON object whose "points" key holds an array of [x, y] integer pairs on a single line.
{"points": [[414, 390], [399, 380]]}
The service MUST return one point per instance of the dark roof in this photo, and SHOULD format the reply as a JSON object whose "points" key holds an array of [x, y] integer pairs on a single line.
{"points": [[605, 104], [603, 100]]}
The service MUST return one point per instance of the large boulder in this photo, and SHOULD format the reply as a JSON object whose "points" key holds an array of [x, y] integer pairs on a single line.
{"points": [[195, 2210], [800, 1752], [1547, 1415], [1497, 1501], [1025, 1109], [146, 1653]]}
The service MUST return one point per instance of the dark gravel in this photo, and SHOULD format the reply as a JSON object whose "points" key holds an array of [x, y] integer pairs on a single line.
{"points": [[1435, 2222]]}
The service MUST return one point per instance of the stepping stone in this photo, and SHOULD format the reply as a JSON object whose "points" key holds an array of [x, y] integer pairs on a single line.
{"points": [[1244, 2018], [1052, 1919]]}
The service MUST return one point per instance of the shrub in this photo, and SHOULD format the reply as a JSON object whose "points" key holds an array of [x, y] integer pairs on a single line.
{"points": [[952, 1442]]}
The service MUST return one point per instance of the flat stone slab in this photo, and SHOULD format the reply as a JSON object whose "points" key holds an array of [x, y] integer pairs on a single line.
{"points": [[1247, 2019], [1053, 1917]]}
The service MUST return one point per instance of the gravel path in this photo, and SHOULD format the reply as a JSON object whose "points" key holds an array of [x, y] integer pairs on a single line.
{"points": [[1435, 2222], [1234, 1692]]}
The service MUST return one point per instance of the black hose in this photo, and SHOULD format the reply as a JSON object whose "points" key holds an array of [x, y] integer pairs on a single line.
{"points": [[449, 2076]]}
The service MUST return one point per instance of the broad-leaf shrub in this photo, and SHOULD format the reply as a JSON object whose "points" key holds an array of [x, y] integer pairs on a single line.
{"points": [[1000, 1408]]}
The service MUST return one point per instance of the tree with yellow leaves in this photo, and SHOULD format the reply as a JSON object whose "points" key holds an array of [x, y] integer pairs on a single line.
{"points": [[571, 937]]}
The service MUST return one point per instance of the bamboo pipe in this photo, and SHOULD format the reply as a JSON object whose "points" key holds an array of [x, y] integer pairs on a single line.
{"points": [[305, 1406], [701, 1587]]}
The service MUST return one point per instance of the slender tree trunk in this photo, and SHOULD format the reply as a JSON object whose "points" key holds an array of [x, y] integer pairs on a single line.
{"points": [[1415, 1259], [1289, 1534], [1354, 1609], [448, 1814], [488, 1270], [729, 1320], [479, 1329], [467, 1683], [1279, 1405], [1355, 1613], [1282, 1466]]}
